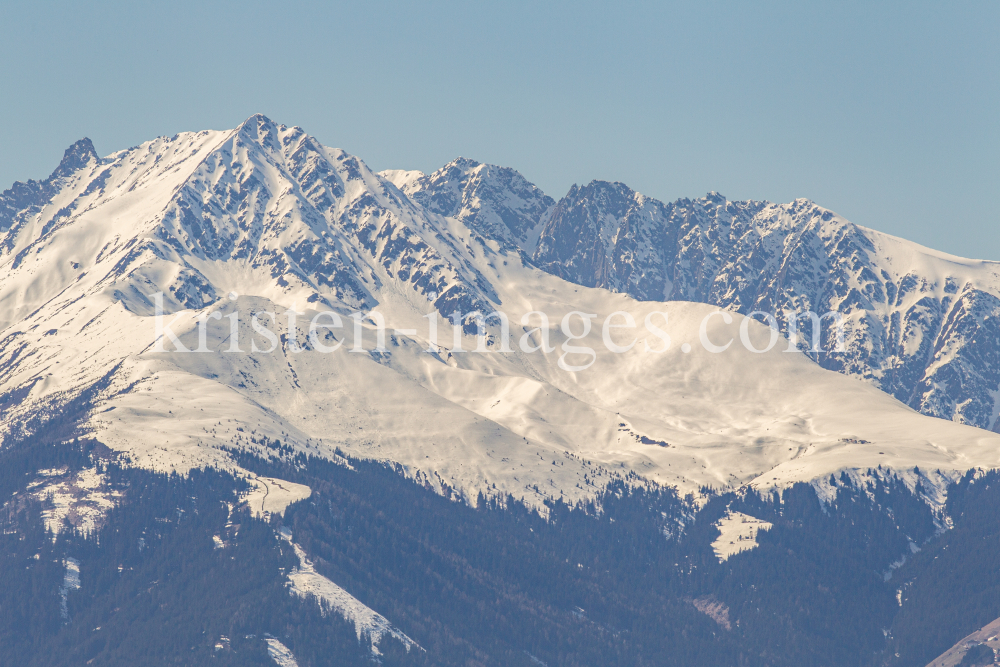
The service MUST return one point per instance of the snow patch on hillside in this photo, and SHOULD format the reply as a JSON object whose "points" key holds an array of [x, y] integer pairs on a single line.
{"points": [[272, 496], [280, 653], [737, 532], [80, 498], [930, 486], [71, 582], [306, 581]]}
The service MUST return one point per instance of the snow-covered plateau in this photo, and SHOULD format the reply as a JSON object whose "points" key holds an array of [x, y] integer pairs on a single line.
{"points": [[228, 226]]}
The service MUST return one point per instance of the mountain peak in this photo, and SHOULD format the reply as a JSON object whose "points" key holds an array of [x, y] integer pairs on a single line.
{"points": [[259, 128], [599, 185], [463, 163], [75, 158], [715, 197], [256, 120], [22, 197], [497, 202]]}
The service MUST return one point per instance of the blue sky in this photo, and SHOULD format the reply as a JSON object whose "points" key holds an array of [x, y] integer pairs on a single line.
{"points": [[884, 112]]}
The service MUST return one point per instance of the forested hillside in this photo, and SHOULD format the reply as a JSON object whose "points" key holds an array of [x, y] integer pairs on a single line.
{"points": [[180, 573]]}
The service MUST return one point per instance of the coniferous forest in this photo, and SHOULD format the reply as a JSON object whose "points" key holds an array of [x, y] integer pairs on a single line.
{"points": [[614, 582]]}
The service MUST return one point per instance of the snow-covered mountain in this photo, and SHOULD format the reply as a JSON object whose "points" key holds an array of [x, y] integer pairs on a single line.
{"points": [[496, 202], [921, 325], [264, 219]]}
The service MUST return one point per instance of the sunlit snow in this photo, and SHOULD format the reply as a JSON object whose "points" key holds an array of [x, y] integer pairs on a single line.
{"points": [[272, 496], [737, 532]]}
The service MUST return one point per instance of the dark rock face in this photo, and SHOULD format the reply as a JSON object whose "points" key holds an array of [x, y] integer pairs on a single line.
{"points": [[76, 157], [606, 235], [964, 373]]}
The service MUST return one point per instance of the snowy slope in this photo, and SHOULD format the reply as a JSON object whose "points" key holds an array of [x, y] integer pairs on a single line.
{"points": [[265, 219]]}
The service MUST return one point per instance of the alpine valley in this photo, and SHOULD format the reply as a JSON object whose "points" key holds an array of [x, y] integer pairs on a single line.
{"points": [[195, 473]]}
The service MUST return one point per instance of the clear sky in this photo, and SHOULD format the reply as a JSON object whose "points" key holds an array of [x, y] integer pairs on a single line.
{"points": [[886, 112]]}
